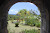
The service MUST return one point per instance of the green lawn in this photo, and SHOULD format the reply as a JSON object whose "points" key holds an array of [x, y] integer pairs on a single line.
{"points": [[11, 27]]}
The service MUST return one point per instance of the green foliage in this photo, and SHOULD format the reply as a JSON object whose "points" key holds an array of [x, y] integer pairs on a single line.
{"points": [[38, 24], [30, 18], [32, 21], [31, 31], [16, 23]]}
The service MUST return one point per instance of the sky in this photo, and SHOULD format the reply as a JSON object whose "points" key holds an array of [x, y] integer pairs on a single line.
{"points": [[23, 5]]}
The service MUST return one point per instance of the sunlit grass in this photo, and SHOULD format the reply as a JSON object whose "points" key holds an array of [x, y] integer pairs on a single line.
{"points": [[11, 27]]}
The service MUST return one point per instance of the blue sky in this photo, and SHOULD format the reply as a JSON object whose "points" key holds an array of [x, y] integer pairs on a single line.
{"points": [[23, 5]]}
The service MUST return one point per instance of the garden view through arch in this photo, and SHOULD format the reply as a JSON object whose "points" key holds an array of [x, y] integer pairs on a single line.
{"points": [[5, 6], [24, 14]]}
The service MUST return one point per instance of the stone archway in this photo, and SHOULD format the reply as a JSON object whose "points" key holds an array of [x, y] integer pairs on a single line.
{"points": [[5, 6]]}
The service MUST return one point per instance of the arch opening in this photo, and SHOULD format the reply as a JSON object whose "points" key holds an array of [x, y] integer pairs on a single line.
{"points": [[5, 6], [32, 13]]}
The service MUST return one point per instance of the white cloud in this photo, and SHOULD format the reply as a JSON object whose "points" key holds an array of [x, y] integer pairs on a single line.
{"points": [[13, 12], [31, 3]]}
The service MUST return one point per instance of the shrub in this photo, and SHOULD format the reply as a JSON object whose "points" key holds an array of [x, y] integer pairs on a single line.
{"points": [[27, 21], [16, 24], [38, 24], [32, 22]]}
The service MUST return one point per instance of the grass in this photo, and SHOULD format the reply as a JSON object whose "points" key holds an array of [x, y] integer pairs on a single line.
{"points": [[31, 31], [11, 27]]}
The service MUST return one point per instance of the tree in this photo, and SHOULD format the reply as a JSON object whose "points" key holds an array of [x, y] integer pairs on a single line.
{"points": [[22, 14]]}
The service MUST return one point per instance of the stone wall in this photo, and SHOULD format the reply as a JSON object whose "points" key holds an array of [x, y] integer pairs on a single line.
{"points": [[43, 6]]}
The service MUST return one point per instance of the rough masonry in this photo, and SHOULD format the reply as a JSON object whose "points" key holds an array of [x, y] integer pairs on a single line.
{"points": [[43, 5]]}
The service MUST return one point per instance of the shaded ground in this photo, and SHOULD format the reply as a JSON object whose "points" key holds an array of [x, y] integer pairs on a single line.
{"points": [[11, 27]]}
